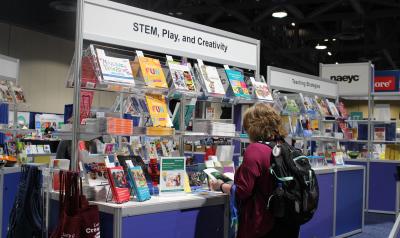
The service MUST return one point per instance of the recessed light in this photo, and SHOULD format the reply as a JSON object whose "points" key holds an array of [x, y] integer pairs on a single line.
{"points": [[329, 53], [170, 13], [293, 24], [333, 39], [179, 13], [336, 63], [320, 47], [280, 14], [326, 40]]}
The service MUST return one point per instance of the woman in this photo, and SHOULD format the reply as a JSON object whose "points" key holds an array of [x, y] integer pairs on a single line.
{"points": [[253, 181]]}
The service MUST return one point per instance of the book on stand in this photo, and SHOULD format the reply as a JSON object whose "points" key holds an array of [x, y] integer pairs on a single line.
{"points": [[114, 70], [119, 184], [138, 180], [332, 108], [177, 75], [158, 110], [150, 70], [211, 81], [172, 175], [95, 169], [322, 106], [237, 83], [261, 90]]}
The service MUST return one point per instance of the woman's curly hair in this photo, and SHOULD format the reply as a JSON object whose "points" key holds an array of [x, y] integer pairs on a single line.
{"points": [[263, 123]]}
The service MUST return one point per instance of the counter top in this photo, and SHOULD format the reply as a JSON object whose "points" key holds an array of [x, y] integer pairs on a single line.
{"points": [[332, 168]]}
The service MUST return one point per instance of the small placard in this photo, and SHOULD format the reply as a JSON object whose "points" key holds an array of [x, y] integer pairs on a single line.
{"points": [[108, 163], [200, 62], [129, 163], [169, 58], [226, 67], [139, 53]]}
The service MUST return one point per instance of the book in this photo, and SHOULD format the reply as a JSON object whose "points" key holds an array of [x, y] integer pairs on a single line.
{"points": [[322, 106], [94, 169], [380, 133], [214, 174], [5, 92], [138, 180], [189, 109], [177, 78], [332, 108], [58, 164], [290, 105], [197, 177], [172, 175], [237, 83], [261, 90], [158, 110], [211, 80], [151, 72], [136, 161], [119, 184], [225, 82], [343, 110], [115, 70], [19, 94], [85, 104]]}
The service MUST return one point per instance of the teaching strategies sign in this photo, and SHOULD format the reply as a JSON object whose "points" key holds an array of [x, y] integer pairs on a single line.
{"points": [[287, 80], [386, 81], [110, 22], [353, 79]]}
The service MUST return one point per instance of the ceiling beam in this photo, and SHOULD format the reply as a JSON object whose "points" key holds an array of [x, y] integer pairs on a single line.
{"points": [[264, 14], [324, 8], [355, 4], [389, 58], [295, 11]]}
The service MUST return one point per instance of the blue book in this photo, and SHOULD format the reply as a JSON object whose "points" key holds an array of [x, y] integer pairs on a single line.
{"points": [[138, 180], [238, 85]]}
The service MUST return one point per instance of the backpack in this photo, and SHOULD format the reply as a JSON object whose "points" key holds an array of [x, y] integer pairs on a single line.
{"points": [[296, 193]]}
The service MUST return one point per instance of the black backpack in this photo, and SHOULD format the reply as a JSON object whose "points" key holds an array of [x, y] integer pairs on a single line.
{"points": [[296, 193]]}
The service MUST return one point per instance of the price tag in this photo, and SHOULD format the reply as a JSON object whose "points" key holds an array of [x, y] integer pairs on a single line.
{"points": [[226, 67], [200, 62], [139, 53], [107, 162], [169, 58]]}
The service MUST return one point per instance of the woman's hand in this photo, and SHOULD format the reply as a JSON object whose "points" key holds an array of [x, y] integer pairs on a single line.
{"points": [[216, 185]]}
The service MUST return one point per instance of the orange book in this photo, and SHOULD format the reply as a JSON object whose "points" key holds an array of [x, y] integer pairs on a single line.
{"points": [[151, 71], [158, 110]]}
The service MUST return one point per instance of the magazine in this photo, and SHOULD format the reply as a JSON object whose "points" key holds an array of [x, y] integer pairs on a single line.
{"points": [[172, 175]]}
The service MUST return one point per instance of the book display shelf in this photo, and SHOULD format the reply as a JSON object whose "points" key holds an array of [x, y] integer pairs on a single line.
{"points": [[165, 74], [311, 110]]}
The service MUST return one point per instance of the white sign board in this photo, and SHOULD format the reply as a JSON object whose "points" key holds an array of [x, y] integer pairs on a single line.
{"points": [[110, 22], [287, 80], [9, 68], [353, 79]]}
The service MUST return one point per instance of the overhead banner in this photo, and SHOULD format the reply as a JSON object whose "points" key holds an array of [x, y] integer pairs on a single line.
{"points": [[353, 79], [114, 23], [386, 81], [292, 81]]}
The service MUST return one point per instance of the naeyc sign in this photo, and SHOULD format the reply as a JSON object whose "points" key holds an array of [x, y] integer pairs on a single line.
{"points": [[386, 81]]}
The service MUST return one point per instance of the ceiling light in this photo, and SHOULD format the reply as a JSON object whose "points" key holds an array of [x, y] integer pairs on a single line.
{"points": [[336, 63], [320, 47], [280, 14], [329, 53], [333, 39], [179, 13], [326, 40], [170, 13], [293, 24]]}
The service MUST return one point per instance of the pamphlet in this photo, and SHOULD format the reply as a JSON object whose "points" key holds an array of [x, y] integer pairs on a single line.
{"points": [[172, 175]]}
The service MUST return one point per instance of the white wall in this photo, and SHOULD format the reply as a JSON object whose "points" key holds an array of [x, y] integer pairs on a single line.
{"points": [[45, 61]]}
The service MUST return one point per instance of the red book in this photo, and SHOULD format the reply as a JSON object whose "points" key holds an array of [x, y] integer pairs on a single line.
{"points": [[119, 184]]}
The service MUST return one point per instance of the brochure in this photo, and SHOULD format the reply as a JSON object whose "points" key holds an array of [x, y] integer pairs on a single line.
{"points": [[172, 175]]}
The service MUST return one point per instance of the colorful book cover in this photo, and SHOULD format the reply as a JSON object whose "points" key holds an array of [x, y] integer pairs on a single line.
{"points": [[290, 105], [225, 81], [158, 110], [177, 75], [152, 72], [261, 90], [197, 177], [85, 104], [214, 174], [137, 178], [343, 110], [189, 80], [379, 133], [189, 109], [58, 164], [136, 161], [115, 70], [322, 106], [172, 175], [95, 170], [5, 92], [19, 94], [119, 184], [212, 80], [332, 108], [238, 85], [309, 104]]}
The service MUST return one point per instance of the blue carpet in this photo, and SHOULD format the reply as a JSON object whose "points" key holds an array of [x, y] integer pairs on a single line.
{"points": [[376, 226]]}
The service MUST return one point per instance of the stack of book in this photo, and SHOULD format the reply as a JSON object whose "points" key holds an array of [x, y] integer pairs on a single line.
{"points": [[215, 128], [119, 126]]}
